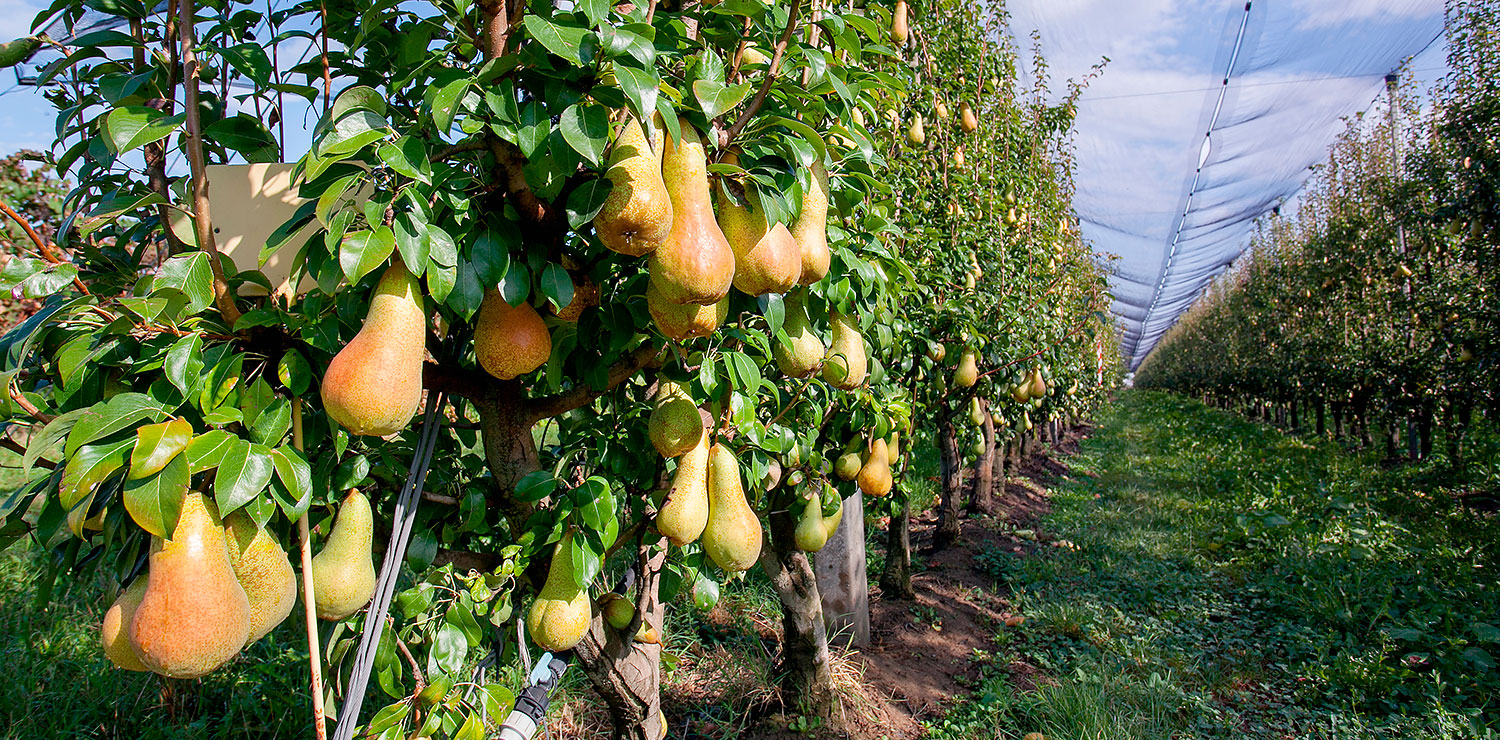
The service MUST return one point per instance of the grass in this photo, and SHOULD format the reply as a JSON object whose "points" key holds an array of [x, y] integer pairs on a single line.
{"points": [[1234, 581]]}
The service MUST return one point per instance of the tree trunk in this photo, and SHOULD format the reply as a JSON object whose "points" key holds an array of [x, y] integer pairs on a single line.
{"points": [[509, 449], [1296, 418], [806, 681], [1322, 423], [895, 578], [1424, 429], [952, 471], [626, 673], [981, 496]]}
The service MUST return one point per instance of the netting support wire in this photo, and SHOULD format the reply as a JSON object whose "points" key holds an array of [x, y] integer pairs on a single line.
{"points": [[395, 551], [1203, 155]]}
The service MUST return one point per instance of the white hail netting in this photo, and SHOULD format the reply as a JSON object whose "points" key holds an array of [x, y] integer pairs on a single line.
{"points": [[1173, 165]]}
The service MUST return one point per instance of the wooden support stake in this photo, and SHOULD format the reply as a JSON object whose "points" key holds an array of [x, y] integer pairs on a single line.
{"points": [[314, 653]]}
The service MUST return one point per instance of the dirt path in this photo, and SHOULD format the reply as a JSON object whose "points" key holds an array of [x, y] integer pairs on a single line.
{"points": [[922, 651]]}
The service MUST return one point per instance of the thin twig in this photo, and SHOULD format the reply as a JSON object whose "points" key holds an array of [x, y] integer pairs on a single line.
{"points": [[770, 79], [202, 220], [48, 251], [27, 406]]}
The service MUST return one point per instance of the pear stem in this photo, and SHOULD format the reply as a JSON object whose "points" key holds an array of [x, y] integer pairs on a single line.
{"points": [[313, 651]]}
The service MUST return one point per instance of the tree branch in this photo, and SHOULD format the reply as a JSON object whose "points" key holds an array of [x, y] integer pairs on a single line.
{"points": [[48, 251], [510, 158], [20, 449], [576, 397], [202, 222], [770, 79]]}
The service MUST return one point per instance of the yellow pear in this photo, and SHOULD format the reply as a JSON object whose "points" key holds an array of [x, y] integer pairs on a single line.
{"points": [[811, 229], [732, 535], [899, 30], [684, 513], [675, 425], [893, 448], [263, 570], [811, 534], [694, 264], [116, 622], [343, 572], [1038, 385], [917, 133], [193, 616], [752, 56], [967, 119], [807, 350], [847, 466], [942, 110], [847, 363], [637, 213], [875, 477], [976, 413], [561, 613], [766, 258], [687, 320], [374, 384], [585, 296], [967, 373], [509, 340]]}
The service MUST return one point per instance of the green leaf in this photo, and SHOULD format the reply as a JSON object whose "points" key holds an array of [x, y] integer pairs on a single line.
{"points": [[565, 41], [598, 502], [412, 242], [585, 126], [358, 97], [158, 444], [88, 467], [407, 156], [294, 472], [535, 486], [135, 126], [716, 98], [154, 502], [189, 274], [251, 61], [294, 372], [55, 431], [116, 205], [585, 561], [534, 128], [445, 102], [516, 285], [449, 648], [362, 251], [208, 449], [640, 87], [440, 246], [243, 473], [184, 361], [107, 417], [585, 202], [745, 373], [272, 424], [353, 132], [351, 473], [557, 285], [244, 134]]}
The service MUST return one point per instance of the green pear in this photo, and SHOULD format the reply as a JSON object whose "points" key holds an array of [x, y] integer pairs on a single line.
{"points": [[811, 534], [967, 373], [733, 533], [695, 264], [117, 645], [767, 259], [811, 228], [684, 321], [193, 616], [562, 611], [675, 425], [847, 363], [263, 570], [875, 477], [847, 466], [374, 384], [684, 513], [637, 213], [343, 572], [806, 352], [976, 413]]}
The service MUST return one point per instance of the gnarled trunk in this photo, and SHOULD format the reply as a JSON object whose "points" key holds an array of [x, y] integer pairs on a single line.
{"points": [[626, 673], [952, 472], [806, 680], [895, 578], [982, 495]]}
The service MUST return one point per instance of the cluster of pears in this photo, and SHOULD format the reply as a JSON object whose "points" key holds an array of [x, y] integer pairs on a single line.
{"points": [[707, 496], [215, 586], [660, 206], [845, 362], [1029, 387], [872, 469], [821, 514]]}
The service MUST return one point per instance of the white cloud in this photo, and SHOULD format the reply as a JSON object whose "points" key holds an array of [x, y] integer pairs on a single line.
{"points": [[1333, 13]]}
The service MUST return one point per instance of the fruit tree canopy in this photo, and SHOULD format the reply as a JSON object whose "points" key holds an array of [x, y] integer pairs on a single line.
{"points": [[1208, 116]]}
